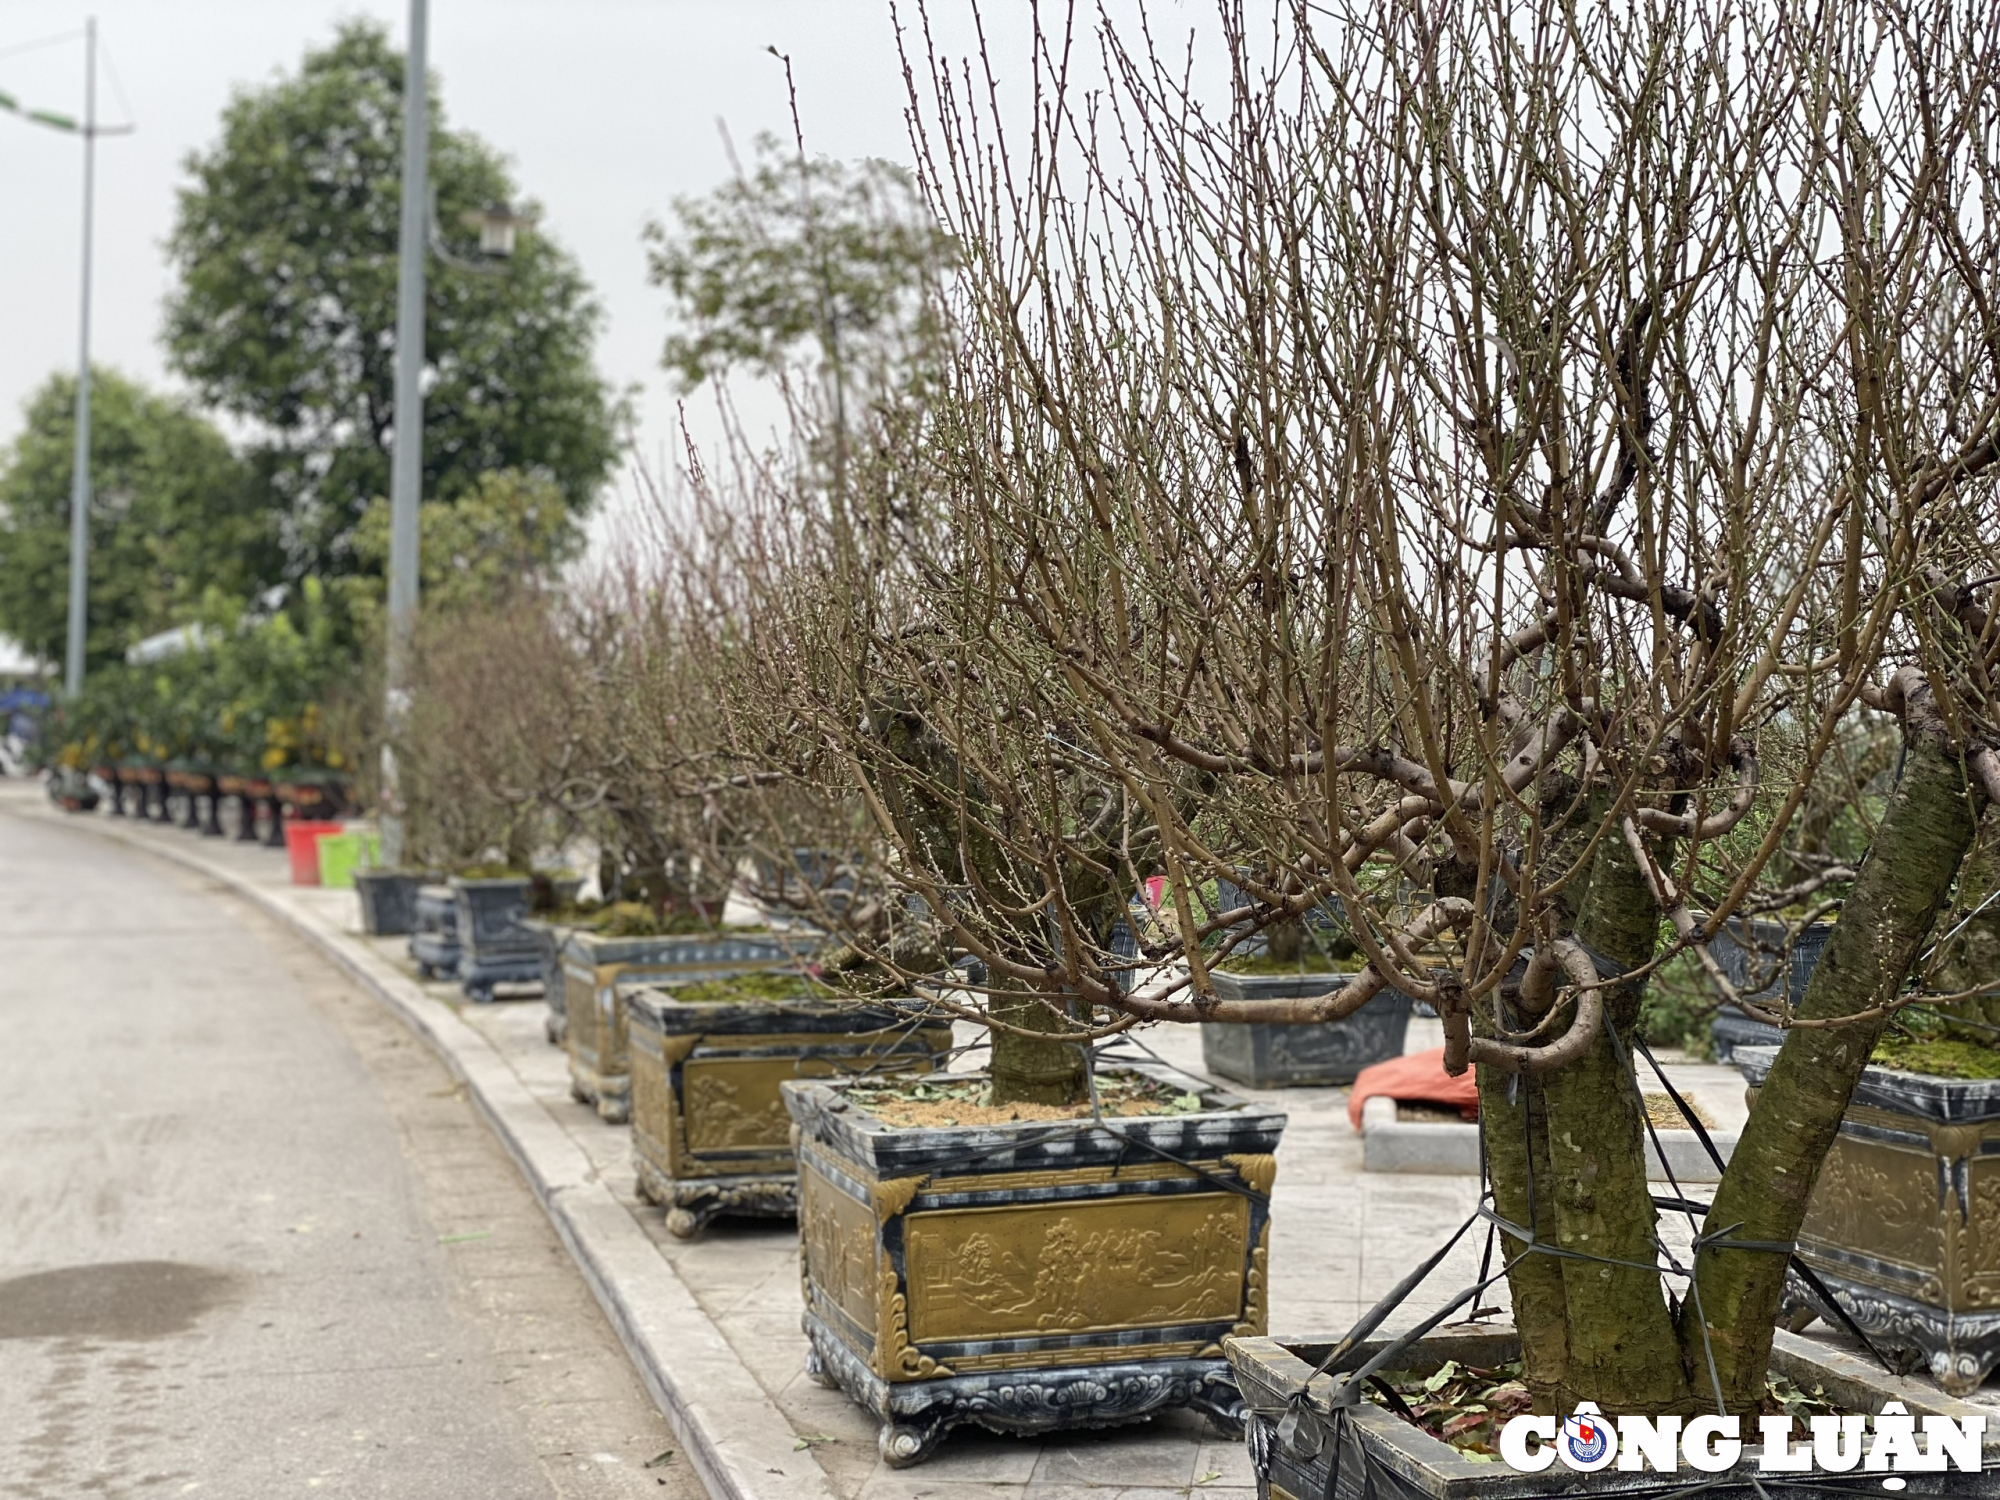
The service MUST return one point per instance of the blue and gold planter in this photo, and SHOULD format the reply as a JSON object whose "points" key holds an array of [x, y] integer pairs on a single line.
{"points": [[710, 1135], [1029, 1277]]}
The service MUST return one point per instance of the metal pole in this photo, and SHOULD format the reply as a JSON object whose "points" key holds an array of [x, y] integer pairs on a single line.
{"points": [[406, 476], [79, 490]]}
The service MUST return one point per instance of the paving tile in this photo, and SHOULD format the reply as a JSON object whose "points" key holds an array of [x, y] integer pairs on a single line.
{"points": [[972, 1455], [1228, 1462], [1121, 1457], [920, 1484]]}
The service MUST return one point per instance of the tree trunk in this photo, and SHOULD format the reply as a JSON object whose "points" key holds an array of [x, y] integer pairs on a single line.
{"points": [[1032, 1069], [1898, 892], [1589, 1331], [1535, 1281], [1972, 957], [1622, 1351]]}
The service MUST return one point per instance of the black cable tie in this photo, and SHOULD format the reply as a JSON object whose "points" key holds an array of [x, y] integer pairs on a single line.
{"points": [[1687, 1110], [1811, 1278]]}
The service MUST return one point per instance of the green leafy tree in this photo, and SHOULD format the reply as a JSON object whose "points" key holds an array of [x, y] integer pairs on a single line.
{"points": [[285, 315], [173, 514], [801, 261], [505, 535]]}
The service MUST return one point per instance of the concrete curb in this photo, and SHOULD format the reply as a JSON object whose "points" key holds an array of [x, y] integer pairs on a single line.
{"points": [[738, 1441], [1392, 1145]]}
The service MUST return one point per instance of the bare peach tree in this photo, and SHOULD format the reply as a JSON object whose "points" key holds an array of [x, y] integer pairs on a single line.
{"points": [[1482, 471]]}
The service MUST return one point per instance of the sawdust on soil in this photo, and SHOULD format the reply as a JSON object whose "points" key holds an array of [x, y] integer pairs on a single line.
{"points": [[927, 1104]]}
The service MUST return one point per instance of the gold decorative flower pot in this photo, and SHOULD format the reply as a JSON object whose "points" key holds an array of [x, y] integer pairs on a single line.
{"points": [[594, 966], [1030, 1277], [710, 1135], [1904, 1224]]}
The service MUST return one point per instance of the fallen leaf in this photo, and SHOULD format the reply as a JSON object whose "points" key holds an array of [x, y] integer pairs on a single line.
{"points": [[812, 1440], [1446, 1373], [1210, 1477], [660, 1459], [459, 1239]]}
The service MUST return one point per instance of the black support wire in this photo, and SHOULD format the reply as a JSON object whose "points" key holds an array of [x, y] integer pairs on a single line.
{"points": [[1351, 1389]]}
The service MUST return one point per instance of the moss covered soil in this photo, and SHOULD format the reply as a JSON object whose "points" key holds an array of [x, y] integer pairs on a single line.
{"points": [[1941, 1057]]}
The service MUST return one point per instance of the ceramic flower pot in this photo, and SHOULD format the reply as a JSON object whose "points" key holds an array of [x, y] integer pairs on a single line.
{"points": [[1904, 1223], [434, 937], [1029, 1277], [1305, 1447], [593, 966], [1266, 1056], [496, 948], [710, 1135], [1761, 960], [388, 901]]}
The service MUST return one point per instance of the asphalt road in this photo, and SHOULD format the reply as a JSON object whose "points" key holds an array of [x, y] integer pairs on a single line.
{"points": [[253, 1242]]}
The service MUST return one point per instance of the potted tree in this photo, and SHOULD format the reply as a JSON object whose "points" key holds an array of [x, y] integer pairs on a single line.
{"points": [[710, 1135], [984, 1250], [1355, 544]]}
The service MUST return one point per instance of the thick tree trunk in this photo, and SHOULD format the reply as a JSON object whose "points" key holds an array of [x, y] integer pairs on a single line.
{"points": [[1972, 957], [1517, 1155], [1033, 1069], [1901, 886], [1622, 1350], [1589, 1330]]}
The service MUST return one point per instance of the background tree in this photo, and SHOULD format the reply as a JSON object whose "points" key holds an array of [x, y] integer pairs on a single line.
{"points": [[286, 242], [173, 515], [502, 539], [801, 262]]}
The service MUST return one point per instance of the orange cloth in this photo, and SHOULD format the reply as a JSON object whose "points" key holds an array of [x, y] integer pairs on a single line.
{"points": [[1420, 1078]]}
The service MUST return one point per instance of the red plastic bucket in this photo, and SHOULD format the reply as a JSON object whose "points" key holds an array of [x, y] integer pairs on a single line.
{"points": [[302, 849]]}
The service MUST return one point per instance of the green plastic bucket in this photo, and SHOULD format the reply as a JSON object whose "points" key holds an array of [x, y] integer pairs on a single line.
{"points": [[341, 854]]}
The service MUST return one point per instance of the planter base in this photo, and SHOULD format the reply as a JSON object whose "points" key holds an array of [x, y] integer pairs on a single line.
{"points": [[917, 1414], [611, 1093], [479, 974], [693, 1205], [1958, 1349], [436, 958]]}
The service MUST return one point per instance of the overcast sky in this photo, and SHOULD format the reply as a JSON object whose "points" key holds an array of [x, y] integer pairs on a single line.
{"points": [[607, 110]]}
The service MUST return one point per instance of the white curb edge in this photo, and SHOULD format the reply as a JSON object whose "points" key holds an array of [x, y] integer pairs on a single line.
{"points": [[1389, 1144], [738, 1441]]}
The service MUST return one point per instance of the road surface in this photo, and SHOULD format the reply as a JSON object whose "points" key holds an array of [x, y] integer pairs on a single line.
{"points": [[253, 1242]]}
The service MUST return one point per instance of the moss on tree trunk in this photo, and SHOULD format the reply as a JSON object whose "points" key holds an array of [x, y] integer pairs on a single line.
{"points": [[1589, 1330], [1900, 888], [1517, 1155], [1033, 1069], [1622, 1350], [1972, 957]]}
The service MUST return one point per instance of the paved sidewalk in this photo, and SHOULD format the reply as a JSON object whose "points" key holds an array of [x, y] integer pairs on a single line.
{"points": [[1341, 1239]]}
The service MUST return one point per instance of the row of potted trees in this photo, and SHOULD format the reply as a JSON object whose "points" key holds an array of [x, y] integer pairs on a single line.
{"points": [[232, 711], [1412, 502]]}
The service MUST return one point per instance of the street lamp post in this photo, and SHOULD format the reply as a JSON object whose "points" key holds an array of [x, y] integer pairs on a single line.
{"points": [[79, 492], [407, 473], [497, 225]]}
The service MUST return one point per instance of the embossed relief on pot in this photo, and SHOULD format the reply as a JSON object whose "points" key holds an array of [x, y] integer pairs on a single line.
{"points": [[1012, 1272], [730, 1108], [838, 1237]]}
